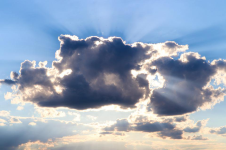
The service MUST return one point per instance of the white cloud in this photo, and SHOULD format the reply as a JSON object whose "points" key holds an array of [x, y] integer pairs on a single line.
{"points": [[2, 124], [2, 120], [20, 108], [77, 116], [50, 112], [4, 113], [32, 123]]}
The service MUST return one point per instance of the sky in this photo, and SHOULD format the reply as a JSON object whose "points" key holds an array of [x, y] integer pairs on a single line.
{"points": [[111, 74]]}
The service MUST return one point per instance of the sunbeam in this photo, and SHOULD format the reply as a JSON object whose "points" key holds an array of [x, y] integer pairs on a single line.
{"points": [[112, 74]]}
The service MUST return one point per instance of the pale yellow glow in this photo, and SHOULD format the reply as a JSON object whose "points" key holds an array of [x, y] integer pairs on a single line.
{"points": [[98, 43], [32, 123], [59, 89], [65, 73]]}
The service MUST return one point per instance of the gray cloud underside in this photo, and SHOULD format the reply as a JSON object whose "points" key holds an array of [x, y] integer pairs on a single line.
{"points": [[221, 130], [199, 137], [184, 89], [163, 129], [197, 127], [100, 74]]}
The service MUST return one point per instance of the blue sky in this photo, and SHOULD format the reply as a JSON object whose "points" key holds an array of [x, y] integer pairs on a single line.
{"points": [[30, 30]]}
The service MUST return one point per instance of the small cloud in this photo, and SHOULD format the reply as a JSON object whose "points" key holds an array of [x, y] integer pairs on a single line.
{"points": [[15, 120], [20, 108], [163, 129], [2, 124], [32, 123], [4, 113], [220, 130], [77, 116]]}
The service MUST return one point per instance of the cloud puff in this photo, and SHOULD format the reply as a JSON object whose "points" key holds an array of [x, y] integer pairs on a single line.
{"points": [[173, 134], [185, 88], [153, 127], [8, 81], [220, 130], [181, 118], [197, 126], [164, 127], [94, 72]]}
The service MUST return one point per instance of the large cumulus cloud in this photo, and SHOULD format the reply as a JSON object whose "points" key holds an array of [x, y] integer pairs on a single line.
{"points": [[93, 72], [89, 73]]}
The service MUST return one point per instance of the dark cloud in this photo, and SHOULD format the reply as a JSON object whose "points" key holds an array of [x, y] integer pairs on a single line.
{"points": [[184, 89], [164, 129], [180, 119], [8, 81], [153, 127], [100, 75], [113, 133], [173, 134], [142, 81]]}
